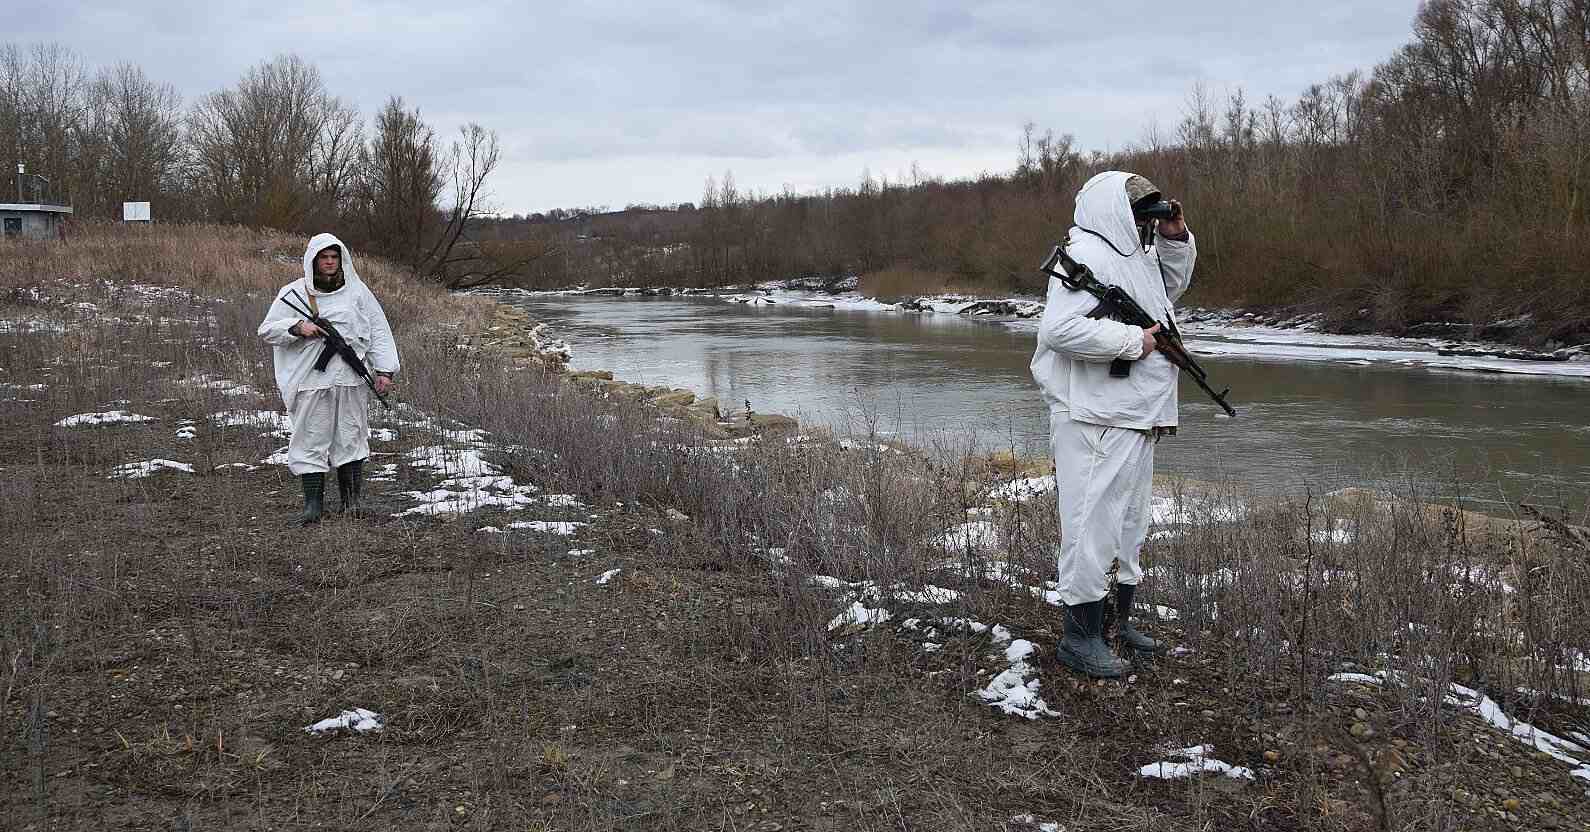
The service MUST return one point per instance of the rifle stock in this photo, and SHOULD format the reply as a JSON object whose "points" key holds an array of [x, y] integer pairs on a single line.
{"points": [[1115, 303]]}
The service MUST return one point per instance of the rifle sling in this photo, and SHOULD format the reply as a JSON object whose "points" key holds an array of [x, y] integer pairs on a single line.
{"points": [[327, 351]]}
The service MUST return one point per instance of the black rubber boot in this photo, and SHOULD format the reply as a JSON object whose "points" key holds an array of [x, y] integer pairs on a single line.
{"points": [[314, 498], [349, 481], [1125, 632], [1083, 649]]}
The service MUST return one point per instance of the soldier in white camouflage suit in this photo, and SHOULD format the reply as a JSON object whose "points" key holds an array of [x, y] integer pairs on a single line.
{"points": [[330, 408], [1103, 428]]}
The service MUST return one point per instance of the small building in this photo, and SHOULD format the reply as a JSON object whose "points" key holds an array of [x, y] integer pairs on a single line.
{"points": [[34, 214], [35, 220]]}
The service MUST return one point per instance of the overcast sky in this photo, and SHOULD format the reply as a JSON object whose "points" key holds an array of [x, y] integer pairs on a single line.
{"points": [[610, 102]]}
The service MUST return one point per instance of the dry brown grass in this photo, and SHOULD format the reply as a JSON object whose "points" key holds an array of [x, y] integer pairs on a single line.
{"points": [[902, 283], [227, 261]]}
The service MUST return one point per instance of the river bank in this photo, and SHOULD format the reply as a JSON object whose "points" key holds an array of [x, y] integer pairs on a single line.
{"points": [[573, 608], [1256, 335]]}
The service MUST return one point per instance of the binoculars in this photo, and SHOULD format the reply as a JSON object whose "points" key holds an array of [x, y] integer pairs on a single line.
{"points": [[1154, 207]]}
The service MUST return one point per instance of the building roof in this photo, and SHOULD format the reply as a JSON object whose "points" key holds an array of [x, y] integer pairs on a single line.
{"points": [[33, 206]]}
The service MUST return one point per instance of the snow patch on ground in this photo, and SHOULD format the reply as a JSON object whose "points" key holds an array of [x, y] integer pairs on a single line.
{"points": [[928, 594], [273, 422], [1341, 533], [1487, 709], [224, 386], [449, 432], [152, 295], [849, 444], [1000, 572], [456, 462], [148, 468], [605, 577], [1184, 511], [1194, 760], [30, 326], [473, 483], [871, 592], [1483, 575], [357, 720], [859, 617], [560, 527], [462, 495], [108, 417], [977, 535], [1015, 690], [1022, 490], [1030, 822], [998, 634]]}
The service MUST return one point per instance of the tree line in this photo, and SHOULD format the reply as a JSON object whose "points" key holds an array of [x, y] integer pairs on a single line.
{"points": [[1442, 192], [276, 150]]}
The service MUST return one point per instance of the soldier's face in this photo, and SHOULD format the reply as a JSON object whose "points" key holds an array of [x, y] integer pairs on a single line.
{"points": [[327, 262]]}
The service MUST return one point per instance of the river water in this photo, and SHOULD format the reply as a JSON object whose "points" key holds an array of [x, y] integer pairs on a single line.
{"points": [[1314, 414]]}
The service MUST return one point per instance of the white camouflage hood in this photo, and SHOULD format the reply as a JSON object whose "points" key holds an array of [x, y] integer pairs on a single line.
{"points": [[320, 242], [1105, 209]]}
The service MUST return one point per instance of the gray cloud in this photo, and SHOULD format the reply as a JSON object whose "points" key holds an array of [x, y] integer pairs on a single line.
{"points": [[603, 101]]}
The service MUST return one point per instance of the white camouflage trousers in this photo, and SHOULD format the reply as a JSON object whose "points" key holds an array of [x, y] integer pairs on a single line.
{"points": [[331, 427], [1104, 478]]}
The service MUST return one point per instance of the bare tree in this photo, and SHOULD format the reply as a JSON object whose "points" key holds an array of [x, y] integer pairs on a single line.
{"points": [[266, 150], [56, 86], [401, 180], [456, 259], [42, 111], [13, 66], [140, 123], [335, 165]]}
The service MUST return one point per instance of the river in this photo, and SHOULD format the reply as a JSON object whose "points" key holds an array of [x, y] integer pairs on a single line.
{"points": [[1315, 412]]}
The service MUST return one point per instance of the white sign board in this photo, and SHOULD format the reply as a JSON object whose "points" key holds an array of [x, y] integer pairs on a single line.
{"points": [[135, 211]]}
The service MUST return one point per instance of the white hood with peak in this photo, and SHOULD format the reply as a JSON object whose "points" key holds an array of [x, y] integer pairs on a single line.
{"points": [[351, 308], [1071, 363]]}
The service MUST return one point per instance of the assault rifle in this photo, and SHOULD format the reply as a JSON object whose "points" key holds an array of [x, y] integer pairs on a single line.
{"points": [[335, 345], [1116, 304]]}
